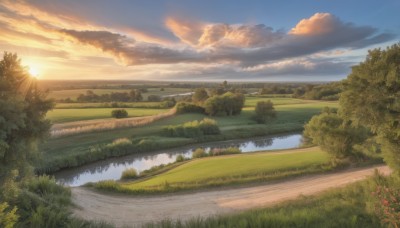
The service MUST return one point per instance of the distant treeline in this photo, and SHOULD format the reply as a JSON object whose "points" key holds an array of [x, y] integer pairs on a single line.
{"points": [[328, 92]]}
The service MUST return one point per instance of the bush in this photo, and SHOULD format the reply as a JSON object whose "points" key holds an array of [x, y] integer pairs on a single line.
{"points": [[199, 153], [228, 103], [224, 151], [119, 113], [193, 129], [185, 107], [180, 158], [130, 173], [209, 127], [264, 111]]}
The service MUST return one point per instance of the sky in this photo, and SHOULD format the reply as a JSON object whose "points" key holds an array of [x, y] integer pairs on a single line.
{"points": [[187, 40]]}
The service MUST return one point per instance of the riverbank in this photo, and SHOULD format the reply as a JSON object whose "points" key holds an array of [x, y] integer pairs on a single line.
{"points": [[77, 150]]}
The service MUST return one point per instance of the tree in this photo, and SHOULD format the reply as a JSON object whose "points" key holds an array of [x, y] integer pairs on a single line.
{"points": [[228, 103], [153, 98], [23, 109], [371, 98], [200, 95], [333, 134], [264, 111], [119, 113]]}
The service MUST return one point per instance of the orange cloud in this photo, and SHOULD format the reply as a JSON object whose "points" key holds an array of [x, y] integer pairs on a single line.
{"points": [[187, 31], [318, 24]]}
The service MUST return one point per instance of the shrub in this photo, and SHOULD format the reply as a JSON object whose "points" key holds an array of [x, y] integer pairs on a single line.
{"points": [[185, 107], [119, 113], [180, 158], [264, 111], [193, 129], [224, 151], [209, 127], [130, 173], [228, 103], [199, 153]]}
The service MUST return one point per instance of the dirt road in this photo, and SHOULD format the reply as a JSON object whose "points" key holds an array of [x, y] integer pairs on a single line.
{"points": [[132, 211]]}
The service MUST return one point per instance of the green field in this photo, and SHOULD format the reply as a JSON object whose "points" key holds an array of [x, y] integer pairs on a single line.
{"points": [[74, 93], [251, 101], [108, 105], [290, 118], [232, 169], [68, 115]]}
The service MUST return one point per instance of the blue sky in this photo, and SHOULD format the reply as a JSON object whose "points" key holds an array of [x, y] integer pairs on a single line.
{"points": [[196, 40]]}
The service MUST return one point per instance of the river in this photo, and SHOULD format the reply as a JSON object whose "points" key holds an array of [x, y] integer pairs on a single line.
{"points": [[112, 168]]}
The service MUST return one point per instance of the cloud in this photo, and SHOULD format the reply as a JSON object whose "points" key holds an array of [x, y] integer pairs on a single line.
{"points": [[129, 52]]}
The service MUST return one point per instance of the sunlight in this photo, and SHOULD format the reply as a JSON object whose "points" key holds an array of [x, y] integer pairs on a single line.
{"points": [[33, 72]]}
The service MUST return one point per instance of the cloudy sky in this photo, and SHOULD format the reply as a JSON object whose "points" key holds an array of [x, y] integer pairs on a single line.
{"points": [[204, 40]]}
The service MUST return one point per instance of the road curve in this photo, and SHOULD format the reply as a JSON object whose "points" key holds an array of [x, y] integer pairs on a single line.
{"points": [[132, 211]]}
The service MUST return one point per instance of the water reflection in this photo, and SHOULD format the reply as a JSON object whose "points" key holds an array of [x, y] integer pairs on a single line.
{"points": [[113, 167]]}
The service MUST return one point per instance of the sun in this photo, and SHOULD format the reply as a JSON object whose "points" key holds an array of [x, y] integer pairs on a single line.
{"points": [[33, 72]]}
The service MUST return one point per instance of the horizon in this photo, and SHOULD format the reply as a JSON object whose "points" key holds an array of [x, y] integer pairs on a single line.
{"points": [[196, 41]]}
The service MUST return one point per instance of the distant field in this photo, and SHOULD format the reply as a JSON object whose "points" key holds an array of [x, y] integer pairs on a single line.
{"points": [[74, 93], [68, 115], [289, 118], [252, 101], [108, 105], [233, 169]]}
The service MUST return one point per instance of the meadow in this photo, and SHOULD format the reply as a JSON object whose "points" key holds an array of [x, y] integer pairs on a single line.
{"points": [[74, 93], [64, 152], [78, 114], [228, 170]]}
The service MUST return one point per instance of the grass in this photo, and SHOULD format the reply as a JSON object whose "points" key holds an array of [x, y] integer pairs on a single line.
{"points": [[251, 101], [154, 105], [74, 93], [227, 170], [350, 206], [68, 115], [290, 118]]}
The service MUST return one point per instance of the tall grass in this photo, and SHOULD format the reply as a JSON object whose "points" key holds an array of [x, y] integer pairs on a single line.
{"points": [[110, 124]]}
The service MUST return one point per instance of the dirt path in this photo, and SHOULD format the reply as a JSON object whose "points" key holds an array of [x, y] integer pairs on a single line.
{"points": [[131, 211]]}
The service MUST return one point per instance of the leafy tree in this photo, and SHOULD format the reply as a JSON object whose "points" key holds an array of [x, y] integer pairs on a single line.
{"points": [[23, 109], [371, 98], [264, 111], [333, 134], [228, 103], [200, 95]]}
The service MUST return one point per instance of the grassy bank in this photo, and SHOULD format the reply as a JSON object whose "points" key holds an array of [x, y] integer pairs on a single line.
{"points": [[77, 114], [227, 170], [74, 150], [351, 206]]}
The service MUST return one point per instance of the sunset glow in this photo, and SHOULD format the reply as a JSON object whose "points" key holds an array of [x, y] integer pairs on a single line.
{"points": [[179, 40], [33, 72]]}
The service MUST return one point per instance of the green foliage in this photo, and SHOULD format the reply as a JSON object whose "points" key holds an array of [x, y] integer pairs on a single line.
{"points": [[180, 158], [228, 104], [130, 173], [329, 92], [199, 153], [117, 147], [90, 96], [185, 107], [200, 95], [193, 129], [372, 99], [264, 111], [8, 217], [224, 151], [333, 134], [119, 113], [23, 109]]}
